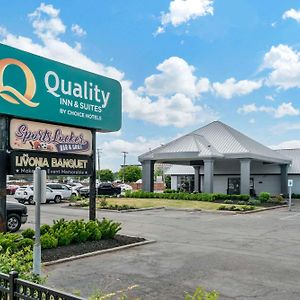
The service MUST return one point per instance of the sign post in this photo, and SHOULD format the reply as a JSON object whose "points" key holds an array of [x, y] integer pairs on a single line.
{"points": [[3, 172], [290, 184], [39, 196]]}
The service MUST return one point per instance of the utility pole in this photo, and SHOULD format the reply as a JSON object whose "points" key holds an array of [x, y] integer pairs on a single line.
{"points": [[124, 163], [99, 151]]}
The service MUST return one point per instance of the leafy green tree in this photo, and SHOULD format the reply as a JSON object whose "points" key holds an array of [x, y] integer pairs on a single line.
{"points": [[105, 175], [132, 173]]}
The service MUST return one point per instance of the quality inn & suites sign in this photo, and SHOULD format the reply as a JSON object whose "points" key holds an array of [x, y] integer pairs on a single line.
{"points": [[37, 88]]}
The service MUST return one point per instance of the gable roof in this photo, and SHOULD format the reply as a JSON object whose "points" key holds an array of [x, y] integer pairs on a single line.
{"points": [[215, 140]]}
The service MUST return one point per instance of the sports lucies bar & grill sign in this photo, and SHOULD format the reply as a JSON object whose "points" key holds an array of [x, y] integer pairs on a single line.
{"points": [[36, 136], [33, 87]]}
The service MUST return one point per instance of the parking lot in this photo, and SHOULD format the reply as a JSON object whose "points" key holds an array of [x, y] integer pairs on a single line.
{"points": [[254, 256]]}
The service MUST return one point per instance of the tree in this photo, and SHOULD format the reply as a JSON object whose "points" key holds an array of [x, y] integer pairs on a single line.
{"points": [[132, 173], [105, 175]]}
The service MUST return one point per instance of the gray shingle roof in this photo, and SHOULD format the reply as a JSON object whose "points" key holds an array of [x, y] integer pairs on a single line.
{"points": [[215, 140]]}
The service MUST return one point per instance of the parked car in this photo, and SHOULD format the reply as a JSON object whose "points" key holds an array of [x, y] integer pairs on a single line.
{"points": [[107, 188], [125, 187], [25, 194], [104, 188], [16, 215], [65, 191], [11, 189]]}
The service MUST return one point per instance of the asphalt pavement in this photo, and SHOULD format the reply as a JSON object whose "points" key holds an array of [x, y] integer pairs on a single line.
{"points": [[253, 256]]}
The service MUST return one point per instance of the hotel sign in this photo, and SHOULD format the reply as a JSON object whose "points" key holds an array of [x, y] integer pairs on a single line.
{"points": [[55, 164], [37, 88], [28, 135]]}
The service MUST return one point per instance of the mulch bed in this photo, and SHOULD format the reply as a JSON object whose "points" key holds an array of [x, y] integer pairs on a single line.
{"points": [[90, 246]]}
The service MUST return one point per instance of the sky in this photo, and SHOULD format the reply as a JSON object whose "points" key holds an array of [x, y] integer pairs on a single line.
{"points": [[181, 63]]}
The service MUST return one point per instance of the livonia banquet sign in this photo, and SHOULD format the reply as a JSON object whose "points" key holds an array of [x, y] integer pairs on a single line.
{"points": [[37, 88]]}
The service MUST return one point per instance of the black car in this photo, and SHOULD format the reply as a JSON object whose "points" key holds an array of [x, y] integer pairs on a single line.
{"points": [[16, 215], [104, 188]]}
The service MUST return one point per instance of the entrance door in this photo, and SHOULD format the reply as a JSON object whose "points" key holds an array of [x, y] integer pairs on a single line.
{"points": [[233, 186]]}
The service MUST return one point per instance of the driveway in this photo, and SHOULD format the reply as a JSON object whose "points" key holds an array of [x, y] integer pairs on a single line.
{"points": [[254, 256]]}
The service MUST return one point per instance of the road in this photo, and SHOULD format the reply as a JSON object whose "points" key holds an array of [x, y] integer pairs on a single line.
{"points": [[254, 256]]}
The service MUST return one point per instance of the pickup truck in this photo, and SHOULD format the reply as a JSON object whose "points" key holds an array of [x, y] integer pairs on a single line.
{"points": [[16, 215]]}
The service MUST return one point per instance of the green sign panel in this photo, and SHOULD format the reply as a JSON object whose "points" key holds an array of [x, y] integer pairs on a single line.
{"points": [[37, 88]]}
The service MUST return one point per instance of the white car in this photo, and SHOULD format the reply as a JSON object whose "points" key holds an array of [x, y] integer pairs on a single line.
{"points": [[25, 194], [65, 191], [125, 187]]}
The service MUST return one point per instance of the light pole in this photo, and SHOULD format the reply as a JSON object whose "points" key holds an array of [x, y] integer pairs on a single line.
{"points": [[124, 163], [98, 157]]}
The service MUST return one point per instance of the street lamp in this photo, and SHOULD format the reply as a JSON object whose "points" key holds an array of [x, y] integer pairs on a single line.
{"points": [[124, 163]]}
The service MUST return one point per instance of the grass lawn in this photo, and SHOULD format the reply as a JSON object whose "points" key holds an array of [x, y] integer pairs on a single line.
{"points": [[144, 203]]}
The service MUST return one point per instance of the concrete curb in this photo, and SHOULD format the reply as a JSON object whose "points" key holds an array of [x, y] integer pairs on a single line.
{"points": [[115, 210], [261, 209], [89, 254]]}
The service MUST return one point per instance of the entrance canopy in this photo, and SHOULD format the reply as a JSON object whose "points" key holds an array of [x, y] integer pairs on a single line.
{"points": [[215, 141]]}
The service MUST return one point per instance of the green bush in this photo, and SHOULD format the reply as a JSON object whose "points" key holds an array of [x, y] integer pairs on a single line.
{"points": [[201, 294], [45, 228], [108, 228], [222, 207], [264, 196], [241, 202], [48, 241], [26, 242], [228, 201], [28, 233], [9, 241], [254, 202], [20, 261], [278, 199]]}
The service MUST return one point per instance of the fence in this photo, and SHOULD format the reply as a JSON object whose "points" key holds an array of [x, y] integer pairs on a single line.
{"points": [[13, 288]]}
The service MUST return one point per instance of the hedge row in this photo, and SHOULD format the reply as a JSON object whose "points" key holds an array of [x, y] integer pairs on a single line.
{"points": [[186, 196]]}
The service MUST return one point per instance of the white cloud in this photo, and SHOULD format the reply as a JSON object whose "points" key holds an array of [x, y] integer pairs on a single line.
{"points": [[46, 22], [252, 121], [292, 14], [176, 77], [283, 127], [283, 110], [231, 87], [270, 98], [162, 107], [285, 65], [182, 11], [292, 144], [78, 30]]}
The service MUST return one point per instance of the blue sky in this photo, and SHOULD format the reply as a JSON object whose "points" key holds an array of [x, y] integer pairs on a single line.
{"points": [[181, 63]]}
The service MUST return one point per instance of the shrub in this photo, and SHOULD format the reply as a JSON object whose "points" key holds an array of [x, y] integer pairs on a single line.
{"points": [[108, 228], [28, 233], [241, 202], [228, 201], [222, 207], [48, 241], [254, 202], [244, 197], [264, 196], [201, 294], [20, 261], [276, 200], [45, 228], [26, 242]]}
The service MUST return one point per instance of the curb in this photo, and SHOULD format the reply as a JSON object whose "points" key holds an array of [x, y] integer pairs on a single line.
{"points": [[89, 254], [261, 209]]}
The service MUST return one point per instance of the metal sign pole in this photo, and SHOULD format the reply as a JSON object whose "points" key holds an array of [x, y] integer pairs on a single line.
{"points": [[290, 198], [39, 189], [3, 171], [92, 210]]}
